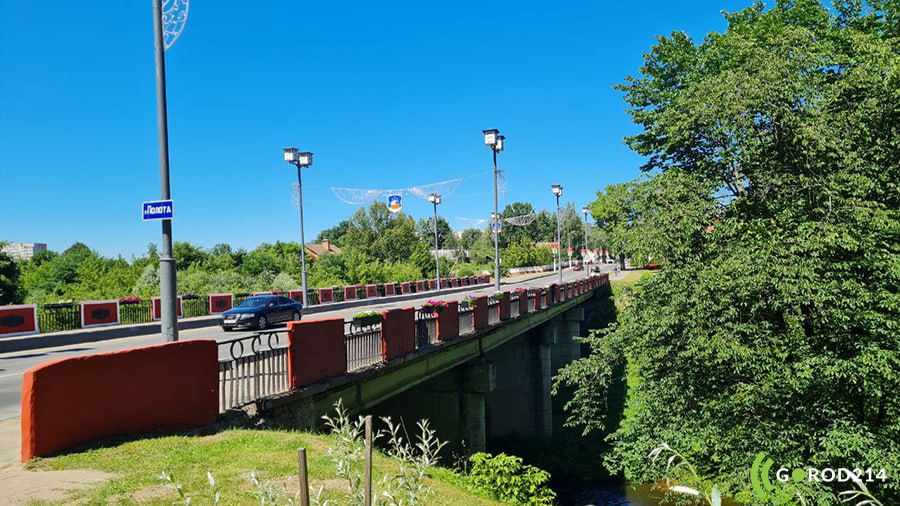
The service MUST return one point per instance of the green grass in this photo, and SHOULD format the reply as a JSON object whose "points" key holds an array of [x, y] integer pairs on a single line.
{"points": [[230, 455]]}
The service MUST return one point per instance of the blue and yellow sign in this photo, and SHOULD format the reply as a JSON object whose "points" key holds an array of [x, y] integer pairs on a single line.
{"points": [[394, 203]]}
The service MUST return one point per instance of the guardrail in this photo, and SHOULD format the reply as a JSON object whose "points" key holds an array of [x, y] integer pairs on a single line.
{"points": [[466, 319], [253, 367], [363, 345], [426, 328]]}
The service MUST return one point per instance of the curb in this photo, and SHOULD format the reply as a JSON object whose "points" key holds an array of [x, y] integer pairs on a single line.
{"points": [[81, 336]]}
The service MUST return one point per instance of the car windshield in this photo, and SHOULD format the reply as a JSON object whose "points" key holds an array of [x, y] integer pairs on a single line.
{"points": [[253, 302]]}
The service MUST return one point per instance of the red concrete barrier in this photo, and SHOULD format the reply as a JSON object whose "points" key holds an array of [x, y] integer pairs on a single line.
{"points": [[157, 307], [504, 306], [371, 291], [70, 401], [390, 289], [523, 303], [432, 284], [420, 286], [480, 314], [538, 299], [487, 278], [317, 351], [448, 322], [18, 320], [326, 295], [398, 332], [404, 287], [99, 313], [349, 292], [220, 302]]}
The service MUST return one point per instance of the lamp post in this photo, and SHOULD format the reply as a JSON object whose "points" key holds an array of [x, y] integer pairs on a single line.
{"points": [[557, 190], [435, 199], [494, 140], [587, 250], [301, 159]]}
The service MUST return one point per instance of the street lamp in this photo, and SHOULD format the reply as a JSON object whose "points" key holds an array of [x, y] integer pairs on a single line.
{"points": [[301, 159], [587, 250], [435, 199], [494, 140], [557, 190]]}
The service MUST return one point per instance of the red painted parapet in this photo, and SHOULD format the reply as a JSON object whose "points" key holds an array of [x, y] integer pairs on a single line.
{"points": [[75, 400], [404, 287], [390, 288], [18, 320], [157, 308], [487, 278], [349, 292], [480, 314], [523, 303], [371, 291], [504, 306], [432, 284], [448, 322], [445, 283], [317, 351], [466, 281], [220, 302], [538, 299], [420, 286], [398, 332], [99, 313], [326, 295]]}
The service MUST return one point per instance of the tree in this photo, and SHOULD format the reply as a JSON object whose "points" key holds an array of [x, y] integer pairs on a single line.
{"points": [[10, 287], [335, 234], [778, 331], [425, 231]]}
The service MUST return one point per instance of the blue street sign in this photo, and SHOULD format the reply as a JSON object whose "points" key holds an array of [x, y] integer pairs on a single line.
{"points": [[496, 226], [158, 210]]}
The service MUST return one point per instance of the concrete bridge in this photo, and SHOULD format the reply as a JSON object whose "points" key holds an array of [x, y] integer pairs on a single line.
{"points": [[478, 368]]}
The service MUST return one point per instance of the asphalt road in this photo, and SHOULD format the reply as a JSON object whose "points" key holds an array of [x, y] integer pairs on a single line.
{"points": [[13, 365]]}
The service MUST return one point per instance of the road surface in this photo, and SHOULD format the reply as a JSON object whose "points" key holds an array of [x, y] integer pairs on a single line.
{"points": [[14, 364]]}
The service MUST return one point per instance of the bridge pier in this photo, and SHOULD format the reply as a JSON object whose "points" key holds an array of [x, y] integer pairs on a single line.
{"points": [[453, 402]]}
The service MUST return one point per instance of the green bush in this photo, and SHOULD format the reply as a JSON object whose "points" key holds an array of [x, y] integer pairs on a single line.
{"points": [[506, 478]]}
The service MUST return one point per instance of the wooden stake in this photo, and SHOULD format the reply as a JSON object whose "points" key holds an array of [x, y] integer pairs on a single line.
{"points": [[304, 477], [369, 460]]}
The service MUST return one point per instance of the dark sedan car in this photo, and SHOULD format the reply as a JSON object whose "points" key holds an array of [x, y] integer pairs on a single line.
{"points": [[261, 311]]}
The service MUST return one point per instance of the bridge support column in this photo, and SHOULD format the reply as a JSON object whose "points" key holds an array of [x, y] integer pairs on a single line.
{"points": [[566, 349], [479, 379], [521, 403]]}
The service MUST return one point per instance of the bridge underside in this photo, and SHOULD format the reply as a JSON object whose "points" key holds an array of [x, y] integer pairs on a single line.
{"points": [[496, 381]]}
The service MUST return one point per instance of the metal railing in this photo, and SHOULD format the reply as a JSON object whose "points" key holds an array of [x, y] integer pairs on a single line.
{"points": [[363, 345], [134, 312], [252, 367], [192, 307], [514, 304], [493, 310], [426, 328], [466, 319], [57, 317]]}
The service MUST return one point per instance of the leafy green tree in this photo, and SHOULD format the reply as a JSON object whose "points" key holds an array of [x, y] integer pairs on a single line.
{"points": [[11, 291], [425, 231], [777, 331], [336, 234]]}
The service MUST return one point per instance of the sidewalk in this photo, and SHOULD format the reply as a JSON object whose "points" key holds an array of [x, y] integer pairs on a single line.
{"points": [[20, 486], [92, 335]]}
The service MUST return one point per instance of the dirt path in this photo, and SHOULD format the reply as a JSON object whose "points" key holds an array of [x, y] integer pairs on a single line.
{"points": [[20, 486]]}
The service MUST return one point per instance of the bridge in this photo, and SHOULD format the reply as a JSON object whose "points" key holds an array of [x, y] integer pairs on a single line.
{"points": [[479, 367]]}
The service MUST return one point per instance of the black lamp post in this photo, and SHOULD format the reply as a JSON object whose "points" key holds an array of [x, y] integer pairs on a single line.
{"points": [[301, 159], [494, 140]]}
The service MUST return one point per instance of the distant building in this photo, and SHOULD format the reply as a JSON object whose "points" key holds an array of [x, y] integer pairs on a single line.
{"points": [[316, 250], [23, 250]]}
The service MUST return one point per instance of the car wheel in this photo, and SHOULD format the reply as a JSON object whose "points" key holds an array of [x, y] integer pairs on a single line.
{"points": [[296, 316], [262, 323], [226, 329]]}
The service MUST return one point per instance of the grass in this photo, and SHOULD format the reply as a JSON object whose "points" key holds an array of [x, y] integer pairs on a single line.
{"points": [[230, 455]]}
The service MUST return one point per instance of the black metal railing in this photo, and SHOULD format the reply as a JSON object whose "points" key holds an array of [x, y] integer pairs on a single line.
{"points": [[252, 367], [466, 319], [493, 310], [134, 312], [58, 317], [426, 328], [363, 345], [194, 307]]}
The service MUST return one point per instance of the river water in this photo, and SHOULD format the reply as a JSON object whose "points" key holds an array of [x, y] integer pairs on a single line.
{"points": [[606, 493]]}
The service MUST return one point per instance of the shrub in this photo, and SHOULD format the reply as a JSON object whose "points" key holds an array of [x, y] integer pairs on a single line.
{"points": [[508, 479]]}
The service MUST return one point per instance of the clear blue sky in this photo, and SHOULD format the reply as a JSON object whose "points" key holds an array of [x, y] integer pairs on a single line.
{"points": [[387, 95]]}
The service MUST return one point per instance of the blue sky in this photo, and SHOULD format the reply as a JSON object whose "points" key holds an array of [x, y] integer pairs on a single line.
{"points": [[386, 94]]}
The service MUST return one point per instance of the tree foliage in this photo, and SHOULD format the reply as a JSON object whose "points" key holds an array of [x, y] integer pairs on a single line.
{"points": [[776, 327]]}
